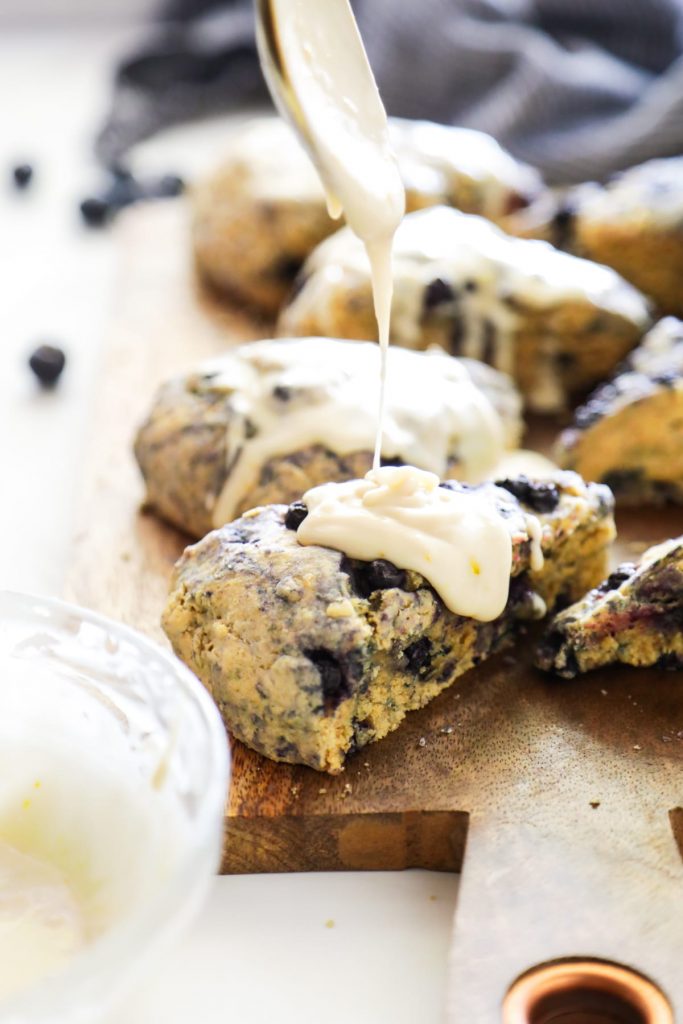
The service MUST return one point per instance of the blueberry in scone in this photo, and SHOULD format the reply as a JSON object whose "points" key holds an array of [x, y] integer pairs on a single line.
{"points": [[262, 211], [271, 419], [556, 323], [629, 433], [633, 224], [311, 655], [634, 617]]}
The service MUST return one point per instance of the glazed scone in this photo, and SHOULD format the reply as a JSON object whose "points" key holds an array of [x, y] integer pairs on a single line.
{"points": [[629, 433], [311, 655], [633, 224], [556, 323], [256, 218], [635, 617], [271, 419]]}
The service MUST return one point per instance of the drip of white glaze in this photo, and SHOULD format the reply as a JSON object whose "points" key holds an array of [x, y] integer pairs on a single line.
{"points": [[457, 540], [341, 119], [290, 394]]}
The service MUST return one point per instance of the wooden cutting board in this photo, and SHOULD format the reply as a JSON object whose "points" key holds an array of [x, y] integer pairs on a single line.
{"points": [[560, 802]]}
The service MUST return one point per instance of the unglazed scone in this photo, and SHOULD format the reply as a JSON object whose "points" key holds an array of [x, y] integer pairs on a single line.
{"points": [[635, 617], [271, 419], [556, 323], [633, 224], [256, 218], [629, 433], [311, 655]]}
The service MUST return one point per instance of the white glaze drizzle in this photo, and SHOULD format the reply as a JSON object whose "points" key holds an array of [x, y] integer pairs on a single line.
{"points": [[466, 247], [433, 408], [491, 273], [344, 125], [457, 541]]}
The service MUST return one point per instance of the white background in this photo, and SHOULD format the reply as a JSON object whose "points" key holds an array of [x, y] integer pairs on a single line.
{"points": [[262, 950]]}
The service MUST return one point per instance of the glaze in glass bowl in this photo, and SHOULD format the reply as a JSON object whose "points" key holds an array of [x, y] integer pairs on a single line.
{"points": [[151, 762]]}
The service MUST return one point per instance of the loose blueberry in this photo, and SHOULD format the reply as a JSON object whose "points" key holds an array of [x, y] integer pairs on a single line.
{"points": [[96, 211], [170, 185], [47, 362], [22, 175], [295, 515]]}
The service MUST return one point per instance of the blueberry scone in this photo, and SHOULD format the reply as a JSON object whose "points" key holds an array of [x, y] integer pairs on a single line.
{"points": [[633, 224], [629, 433], [263, 210], [635, 617], [271, 419], [556, 323], [311, 655]]}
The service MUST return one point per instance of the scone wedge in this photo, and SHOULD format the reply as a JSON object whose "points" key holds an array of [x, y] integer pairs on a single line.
{"points": [[556, 323], [311, 656], [261, 211], [629, 433], [634, 224], [278, 401], [634, 617]]}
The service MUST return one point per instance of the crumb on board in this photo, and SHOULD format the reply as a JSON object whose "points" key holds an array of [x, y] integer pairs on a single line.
{"points": [[322, 790], [347, 790], [329, 923], [422, 742], [295, 789], [446, 730], [637, 746], [595, 804]]}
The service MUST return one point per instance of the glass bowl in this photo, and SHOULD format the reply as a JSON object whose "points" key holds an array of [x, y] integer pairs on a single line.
{"points": [[114, 768]]}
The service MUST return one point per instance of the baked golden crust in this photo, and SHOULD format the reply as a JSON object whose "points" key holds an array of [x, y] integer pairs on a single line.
{"points": [[310, 655]]}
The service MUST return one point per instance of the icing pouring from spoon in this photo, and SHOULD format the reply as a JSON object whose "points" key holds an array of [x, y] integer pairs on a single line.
{"points": [[321, 81]]}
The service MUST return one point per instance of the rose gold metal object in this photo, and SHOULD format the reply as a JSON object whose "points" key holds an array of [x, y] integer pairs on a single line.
{"points": [[585, 992]]}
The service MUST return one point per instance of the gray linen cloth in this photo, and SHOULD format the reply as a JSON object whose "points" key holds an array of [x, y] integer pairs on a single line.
{"points": [[579, 88]]}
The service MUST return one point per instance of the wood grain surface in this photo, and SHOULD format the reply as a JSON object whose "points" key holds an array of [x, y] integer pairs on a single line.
{"points": [[562, 799]]}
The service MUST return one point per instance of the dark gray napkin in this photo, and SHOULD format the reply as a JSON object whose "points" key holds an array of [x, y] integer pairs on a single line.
{"points": [[579, 88]]}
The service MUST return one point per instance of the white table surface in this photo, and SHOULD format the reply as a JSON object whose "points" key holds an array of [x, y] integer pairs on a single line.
{"points": [[262, 949]]}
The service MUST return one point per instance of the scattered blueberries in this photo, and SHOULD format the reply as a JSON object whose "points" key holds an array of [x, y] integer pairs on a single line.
{"points": [[47, 362], [96, 212], [123, 190], [22, 175]]}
